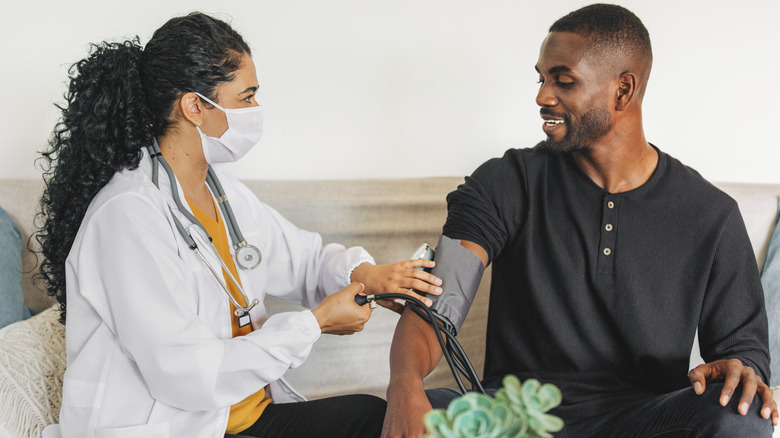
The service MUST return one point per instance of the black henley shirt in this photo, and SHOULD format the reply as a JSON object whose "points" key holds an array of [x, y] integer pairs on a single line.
{"points": [[599, 292]]}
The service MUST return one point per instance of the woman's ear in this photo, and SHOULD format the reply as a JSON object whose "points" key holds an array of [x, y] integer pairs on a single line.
{"points": [[625, 91], [191, 108]]}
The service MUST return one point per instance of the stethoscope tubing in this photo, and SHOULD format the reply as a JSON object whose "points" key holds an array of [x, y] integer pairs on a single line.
{"points": [[235, 232], [227, 211], [240, 310], [452, 351]]}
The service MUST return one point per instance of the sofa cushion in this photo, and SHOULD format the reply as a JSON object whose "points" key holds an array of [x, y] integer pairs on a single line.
{"points": [[32, 362]]}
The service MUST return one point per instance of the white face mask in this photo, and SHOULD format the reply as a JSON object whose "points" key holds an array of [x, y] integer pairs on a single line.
{"points": [[245, 127]]}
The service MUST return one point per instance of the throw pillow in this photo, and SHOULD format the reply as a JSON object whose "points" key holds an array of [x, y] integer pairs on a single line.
{"points": [[32, 362], [770, 279]]}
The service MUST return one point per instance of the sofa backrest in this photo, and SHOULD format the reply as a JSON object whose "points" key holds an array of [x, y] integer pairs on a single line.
{"points": [[390, 218]]}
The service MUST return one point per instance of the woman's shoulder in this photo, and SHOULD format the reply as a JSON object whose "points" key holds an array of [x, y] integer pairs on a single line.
{"points": [[130, 191]]}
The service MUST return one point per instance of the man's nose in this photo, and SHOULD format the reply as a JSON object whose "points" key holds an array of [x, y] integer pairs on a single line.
{"points": [[544, 97]]}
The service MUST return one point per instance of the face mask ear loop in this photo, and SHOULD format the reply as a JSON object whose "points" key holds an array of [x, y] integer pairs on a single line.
{"points": [[210, 101]]}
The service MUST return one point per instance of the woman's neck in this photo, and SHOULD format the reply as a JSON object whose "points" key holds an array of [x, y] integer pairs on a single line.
{"points": [[184, 154]]}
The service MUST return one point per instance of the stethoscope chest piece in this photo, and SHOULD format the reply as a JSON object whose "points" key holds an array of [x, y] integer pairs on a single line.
{"points": [[248, 257]]}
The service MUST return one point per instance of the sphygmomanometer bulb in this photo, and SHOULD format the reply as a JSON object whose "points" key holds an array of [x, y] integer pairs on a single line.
{"points": [[363, 299]]}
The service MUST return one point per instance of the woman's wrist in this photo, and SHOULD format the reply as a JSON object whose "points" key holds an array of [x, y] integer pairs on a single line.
{"points": [[361, 273], [319, 316]]}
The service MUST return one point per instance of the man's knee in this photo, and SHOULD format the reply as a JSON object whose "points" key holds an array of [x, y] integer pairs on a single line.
{"points": [[440, 398], [369, 405], [717, 420]]}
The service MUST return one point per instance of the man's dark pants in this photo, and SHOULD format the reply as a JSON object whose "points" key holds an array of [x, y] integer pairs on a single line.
{"points": [[679, 414]]}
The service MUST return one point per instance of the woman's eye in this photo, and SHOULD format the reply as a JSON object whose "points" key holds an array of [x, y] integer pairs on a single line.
{"points": [[248, 99]]}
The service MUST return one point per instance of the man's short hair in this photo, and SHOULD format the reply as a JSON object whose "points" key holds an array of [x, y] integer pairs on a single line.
{"points": [[611, 28]]}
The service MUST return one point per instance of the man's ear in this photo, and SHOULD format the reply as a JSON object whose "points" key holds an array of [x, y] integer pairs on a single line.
{"points": [[191, 108], [625, 91]]}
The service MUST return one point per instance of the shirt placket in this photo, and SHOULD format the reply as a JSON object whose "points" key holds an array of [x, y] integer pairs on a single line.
{"points": [[609, 222]]}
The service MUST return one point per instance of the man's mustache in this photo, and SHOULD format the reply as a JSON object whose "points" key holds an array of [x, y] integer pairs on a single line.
{"points": [[551, 113]]}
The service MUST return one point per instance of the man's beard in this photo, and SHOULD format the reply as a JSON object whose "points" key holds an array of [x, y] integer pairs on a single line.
{"points": [[593, 125]]}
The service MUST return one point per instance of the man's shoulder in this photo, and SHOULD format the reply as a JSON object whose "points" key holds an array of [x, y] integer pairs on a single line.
{"points": [[689, 183], [691, 178], [537, 152], [517, 159]]}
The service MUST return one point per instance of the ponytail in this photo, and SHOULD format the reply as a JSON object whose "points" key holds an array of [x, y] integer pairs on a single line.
{"points": [[105, 124], [119, 99]]}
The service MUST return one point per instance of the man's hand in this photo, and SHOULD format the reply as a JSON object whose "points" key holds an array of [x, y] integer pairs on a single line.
{"points": [[406, 407], [399, 277], [733, 373]]}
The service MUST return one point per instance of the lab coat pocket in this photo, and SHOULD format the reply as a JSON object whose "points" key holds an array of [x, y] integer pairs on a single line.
{"points": [[158, 430]]}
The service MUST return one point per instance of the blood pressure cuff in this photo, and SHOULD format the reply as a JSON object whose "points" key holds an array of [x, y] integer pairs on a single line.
{"points": [[460, 271]]}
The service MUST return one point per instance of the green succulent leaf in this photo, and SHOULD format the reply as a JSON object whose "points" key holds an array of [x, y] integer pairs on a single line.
{"points": [[517, 411], [529, 392], [549, 396], [540, 425], [512, 390]]}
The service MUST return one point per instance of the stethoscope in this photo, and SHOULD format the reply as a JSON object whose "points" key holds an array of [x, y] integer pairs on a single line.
{"points": [[247, 256]]}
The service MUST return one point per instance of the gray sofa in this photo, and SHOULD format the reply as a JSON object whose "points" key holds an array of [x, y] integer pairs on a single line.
{"points": [[390, 218]]}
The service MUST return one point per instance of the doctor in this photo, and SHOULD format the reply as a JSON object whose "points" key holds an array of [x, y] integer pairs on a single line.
{"points": [[167, 335]]}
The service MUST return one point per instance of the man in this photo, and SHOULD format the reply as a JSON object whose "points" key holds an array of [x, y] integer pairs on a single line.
{"points": [[607, 256]]}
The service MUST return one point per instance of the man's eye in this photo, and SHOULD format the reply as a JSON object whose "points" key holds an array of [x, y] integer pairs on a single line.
{"points": [[566, 84]]}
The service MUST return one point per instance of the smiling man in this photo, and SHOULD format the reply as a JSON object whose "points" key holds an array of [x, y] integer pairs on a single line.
{"points": [[608, 255]]}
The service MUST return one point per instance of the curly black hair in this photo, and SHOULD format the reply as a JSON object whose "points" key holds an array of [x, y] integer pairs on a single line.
{"points": [[118, 100]]}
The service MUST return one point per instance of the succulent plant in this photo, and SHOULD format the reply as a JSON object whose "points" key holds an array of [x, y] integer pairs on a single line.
{"points": [[517, 411]]}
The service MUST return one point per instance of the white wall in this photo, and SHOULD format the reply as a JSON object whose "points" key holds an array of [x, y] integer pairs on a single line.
{"points": [[362, 88]]}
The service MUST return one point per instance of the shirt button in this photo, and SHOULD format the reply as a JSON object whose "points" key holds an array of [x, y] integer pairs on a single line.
{"points": [[607, 251], [608, 227], [610, 204]]}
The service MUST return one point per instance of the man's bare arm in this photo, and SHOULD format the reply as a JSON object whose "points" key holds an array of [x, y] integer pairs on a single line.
{"points": [[414, 353]]}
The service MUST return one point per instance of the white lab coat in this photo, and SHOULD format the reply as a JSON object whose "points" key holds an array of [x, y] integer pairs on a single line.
{"points": [[148, 337]]}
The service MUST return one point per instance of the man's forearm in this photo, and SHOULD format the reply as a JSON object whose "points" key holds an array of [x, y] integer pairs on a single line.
{"points": [[413, 355], [415, 350]]}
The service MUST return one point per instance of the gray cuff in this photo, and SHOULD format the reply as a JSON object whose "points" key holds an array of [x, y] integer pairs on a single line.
{"points": [[460, 271]]}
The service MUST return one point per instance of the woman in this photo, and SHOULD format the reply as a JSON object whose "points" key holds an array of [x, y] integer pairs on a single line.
{"points": [[166, 334]]}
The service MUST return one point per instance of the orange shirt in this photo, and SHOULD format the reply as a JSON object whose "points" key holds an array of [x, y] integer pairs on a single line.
{"points": [[246, 412]]}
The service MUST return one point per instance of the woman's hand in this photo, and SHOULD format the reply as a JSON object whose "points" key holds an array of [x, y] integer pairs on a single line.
{"points": [[399, 277], [338, 314]]}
